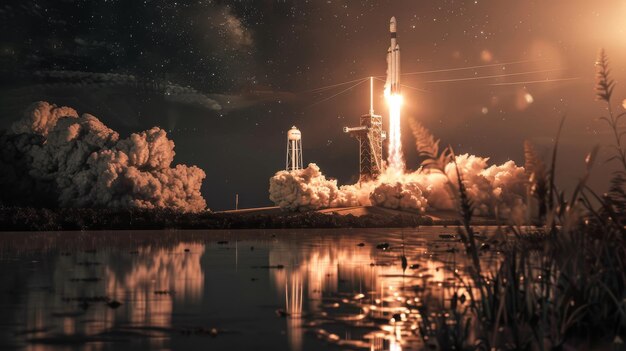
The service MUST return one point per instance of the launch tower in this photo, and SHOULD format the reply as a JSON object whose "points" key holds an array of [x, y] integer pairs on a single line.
{"points": [[370, 136]]}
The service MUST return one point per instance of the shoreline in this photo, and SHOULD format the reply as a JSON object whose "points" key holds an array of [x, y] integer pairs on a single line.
{"points": [[20, 219]]}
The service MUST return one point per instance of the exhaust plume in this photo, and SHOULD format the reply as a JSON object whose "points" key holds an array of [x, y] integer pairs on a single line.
{"points": [[495, 190]]}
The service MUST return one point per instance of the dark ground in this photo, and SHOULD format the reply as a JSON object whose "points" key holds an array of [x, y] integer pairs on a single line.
{"points": [[42, 219]]}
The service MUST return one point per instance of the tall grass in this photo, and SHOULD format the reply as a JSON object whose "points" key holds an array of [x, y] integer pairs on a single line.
{"points": [[561, 283]]}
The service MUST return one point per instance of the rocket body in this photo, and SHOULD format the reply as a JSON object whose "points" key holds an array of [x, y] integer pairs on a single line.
{"points": [[393, 60]]}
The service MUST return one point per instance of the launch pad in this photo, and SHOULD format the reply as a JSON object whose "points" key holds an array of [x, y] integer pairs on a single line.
{"points": [[370, 136]]}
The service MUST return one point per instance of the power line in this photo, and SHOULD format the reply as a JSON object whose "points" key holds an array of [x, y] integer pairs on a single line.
{"points": [[326, 87], [406, 86], [493, 76], [332, 86], [472, 67], [339, 93], [537, 81]]}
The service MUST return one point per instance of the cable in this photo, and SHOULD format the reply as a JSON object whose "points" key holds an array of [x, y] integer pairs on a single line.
{"points": [[414, 88], [320, 89], [471, 67], [425, 72], [406, 86], [332, 86], [339, 93], [493, 76], [537, 81]]}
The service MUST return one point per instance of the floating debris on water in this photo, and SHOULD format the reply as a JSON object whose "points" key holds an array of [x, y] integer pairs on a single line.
{"points": [[282, 313], [383, 246], [86, 280], [213, 332], [278, 266], [114, 304], [164, 292]]}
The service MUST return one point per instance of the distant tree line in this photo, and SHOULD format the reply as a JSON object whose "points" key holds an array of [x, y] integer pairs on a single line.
{"points": [[44, 219]]}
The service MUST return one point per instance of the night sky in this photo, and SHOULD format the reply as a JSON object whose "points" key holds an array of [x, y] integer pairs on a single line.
{"points": [[227, 79]]}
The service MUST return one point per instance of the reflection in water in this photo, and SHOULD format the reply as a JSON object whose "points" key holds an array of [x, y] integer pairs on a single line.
{"points": [[293, 306], [147, 285], [157, 277], [361, 297], [183, 290]]}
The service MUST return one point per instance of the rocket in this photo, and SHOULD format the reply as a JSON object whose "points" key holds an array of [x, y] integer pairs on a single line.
{"points": [[393, 60]]}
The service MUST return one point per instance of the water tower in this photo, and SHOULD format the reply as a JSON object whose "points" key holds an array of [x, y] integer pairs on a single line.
{"points": [[294, 149]]}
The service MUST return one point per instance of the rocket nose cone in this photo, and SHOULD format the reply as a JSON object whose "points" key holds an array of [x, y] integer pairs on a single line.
{"points": [[392, 24]]}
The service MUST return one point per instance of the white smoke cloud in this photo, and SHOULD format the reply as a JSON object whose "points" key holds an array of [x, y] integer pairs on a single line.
{"points": [[494, 190], [305, 189], [497, 189], [88, 165], [399, 196]]}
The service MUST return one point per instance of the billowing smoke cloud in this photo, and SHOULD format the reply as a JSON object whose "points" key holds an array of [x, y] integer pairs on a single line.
{"points": [[41, 117], [80, 162], [494, 190], [399, 195], [305, 189], [498, 189]]}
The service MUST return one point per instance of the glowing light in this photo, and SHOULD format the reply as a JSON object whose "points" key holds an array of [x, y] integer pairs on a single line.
{"points": [[529, 98], [486, 55], [395, 158]]}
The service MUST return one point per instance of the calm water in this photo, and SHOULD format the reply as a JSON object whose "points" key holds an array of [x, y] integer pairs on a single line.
{"points": [[222, 290]]}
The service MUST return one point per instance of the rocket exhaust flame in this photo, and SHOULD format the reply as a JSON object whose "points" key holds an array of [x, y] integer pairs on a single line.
{"points": [[395, 158]]}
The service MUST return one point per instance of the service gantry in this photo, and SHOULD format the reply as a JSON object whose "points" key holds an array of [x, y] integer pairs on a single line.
{"points": [[370, 136]]}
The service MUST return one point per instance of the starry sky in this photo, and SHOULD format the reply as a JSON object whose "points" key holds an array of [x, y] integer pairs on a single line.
{"points": [[227, 79]]}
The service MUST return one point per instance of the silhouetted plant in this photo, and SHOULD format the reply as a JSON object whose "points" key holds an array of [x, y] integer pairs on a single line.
{"points": [[560, 284], [616, 196]]}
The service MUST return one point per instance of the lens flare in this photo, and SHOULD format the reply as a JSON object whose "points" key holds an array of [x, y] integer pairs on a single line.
{"points": [[395, 159]]}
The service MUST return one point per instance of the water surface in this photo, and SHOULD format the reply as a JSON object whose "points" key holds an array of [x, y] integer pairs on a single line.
{"points": [[224, 290]]}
